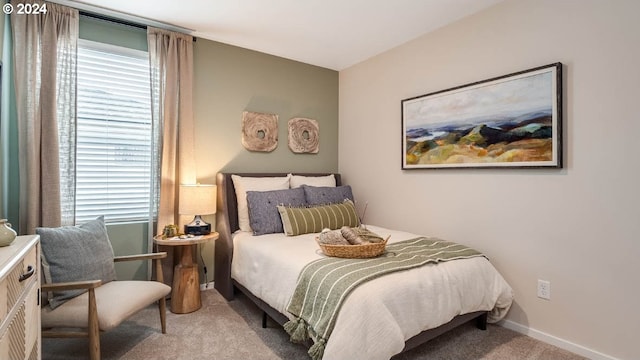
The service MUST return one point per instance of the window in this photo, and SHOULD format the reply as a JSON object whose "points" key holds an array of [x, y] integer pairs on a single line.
{"points": [[114, 133]]}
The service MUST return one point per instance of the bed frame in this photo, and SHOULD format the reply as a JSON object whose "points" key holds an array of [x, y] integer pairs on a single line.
{"points": [[227, 224]]}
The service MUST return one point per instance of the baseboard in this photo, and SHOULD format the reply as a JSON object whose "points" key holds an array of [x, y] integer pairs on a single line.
{"points": [[206, 286], [555, 341]]}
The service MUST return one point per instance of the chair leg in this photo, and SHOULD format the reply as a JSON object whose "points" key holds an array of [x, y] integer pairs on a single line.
{"points": [[93, 328], [162, 306], [162, 303]]}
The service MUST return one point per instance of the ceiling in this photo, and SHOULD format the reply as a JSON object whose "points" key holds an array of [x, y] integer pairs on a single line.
{"points": [[334, 34]]}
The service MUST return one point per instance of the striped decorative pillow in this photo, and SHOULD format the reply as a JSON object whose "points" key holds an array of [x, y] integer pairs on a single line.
{"points": [[304, 220]]}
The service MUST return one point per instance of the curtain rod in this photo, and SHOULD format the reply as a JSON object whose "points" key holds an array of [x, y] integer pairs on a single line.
{"points": [[120, 17]]}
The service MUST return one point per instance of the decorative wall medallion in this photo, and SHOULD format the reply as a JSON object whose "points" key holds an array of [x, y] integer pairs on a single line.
{"points": [[259, 131], [304, 136]]}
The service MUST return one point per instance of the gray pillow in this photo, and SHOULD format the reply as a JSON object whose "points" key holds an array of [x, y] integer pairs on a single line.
{"points": [[76, 253], [263, 212], [324, 195]]}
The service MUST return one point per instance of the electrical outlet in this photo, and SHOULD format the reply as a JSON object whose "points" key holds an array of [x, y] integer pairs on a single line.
{"points": [[544, 289]]}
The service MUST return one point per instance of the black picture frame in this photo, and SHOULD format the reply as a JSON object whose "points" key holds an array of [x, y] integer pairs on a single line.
{"points": [[510, 121]]}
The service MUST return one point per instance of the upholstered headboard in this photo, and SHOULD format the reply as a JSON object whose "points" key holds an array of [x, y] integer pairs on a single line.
{"points": [[227, 224]]}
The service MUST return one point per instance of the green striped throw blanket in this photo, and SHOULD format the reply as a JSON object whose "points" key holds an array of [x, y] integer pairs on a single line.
{"points": [[324, 284]]}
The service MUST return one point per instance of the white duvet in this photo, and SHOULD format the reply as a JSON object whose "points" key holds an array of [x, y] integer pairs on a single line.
{"points": [[380, 315]]}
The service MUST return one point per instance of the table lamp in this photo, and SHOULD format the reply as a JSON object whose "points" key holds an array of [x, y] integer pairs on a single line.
{"points": [[197, 200]]}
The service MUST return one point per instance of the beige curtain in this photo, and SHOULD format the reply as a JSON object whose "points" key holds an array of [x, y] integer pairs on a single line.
{"points": [[171, 63], [44, 49], [171, 60]]}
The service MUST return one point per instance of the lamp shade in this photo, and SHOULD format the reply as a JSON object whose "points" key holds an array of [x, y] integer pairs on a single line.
{"points": [[197, 199]]}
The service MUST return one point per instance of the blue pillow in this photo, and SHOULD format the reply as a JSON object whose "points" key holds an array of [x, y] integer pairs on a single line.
{"points": [[264, 217], [327, 195], [75, 253]]}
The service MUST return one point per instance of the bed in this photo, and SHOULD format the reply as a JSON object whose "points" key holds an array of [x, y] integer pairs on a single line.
{"points": [[379, 319]]}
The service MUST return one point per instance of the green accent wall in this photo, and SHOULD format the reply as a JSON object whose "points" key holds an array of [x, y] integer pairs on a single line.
{"points": [[2, 102], [2, 138], [2, 22], [230, 80], [9, 177], [129, 239]]}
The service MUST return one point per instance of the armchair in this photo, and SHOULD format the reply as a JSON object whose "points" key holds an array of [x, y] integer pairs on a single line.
{"points": [[103, 306], [80, 291]]}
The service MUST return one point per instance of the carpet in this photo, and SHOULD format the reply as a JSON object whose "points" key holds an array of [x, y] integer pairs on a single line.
{"points": [[232, 330]]}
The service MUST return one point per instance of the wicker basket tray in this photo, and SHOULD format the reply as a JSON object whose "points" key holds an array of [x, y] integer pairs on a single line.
{"points": [[354, 251]]}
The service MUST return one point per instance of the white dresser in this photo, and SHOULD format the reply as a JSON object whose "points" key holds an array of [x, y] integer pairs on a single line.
{"points": [[20, 299]]}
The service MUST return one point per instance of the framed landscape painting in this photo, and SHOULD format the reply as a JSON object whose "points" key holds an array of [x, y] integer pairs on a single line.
{"points": [[505, 122]]}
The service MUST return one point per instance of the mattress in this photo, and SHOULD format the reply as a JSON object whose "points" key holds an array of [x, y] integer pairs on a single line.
{"points": [[379, 316]]}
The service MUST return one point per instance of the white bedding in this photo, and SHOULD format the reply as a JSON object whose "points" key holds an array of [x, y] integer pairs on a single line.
{"points": [[379, 316]]}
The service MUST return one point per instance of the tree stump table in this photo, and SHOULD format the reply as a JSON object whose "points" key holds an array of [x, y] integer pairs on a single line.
{"points": [[185, 292]]}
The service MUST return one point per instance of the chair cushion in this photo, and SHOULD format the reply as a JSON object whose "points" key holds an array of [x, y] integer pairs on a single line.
{"points": [[74, 253], [116, 301]]}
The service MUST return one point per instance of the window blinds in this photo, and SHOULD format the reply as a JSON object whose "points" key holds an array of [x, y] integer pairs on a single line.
{"points": [[113, 165]]}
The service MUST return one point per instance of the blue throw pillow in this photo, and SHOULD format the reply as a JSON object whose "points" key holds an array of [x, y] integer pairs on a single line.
{"points": [[76, 253], [327, 195], [263, 212]]}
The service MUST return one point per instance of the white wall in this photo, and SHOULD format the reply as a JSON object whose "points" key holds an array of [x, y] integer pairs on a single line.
{"points": [[533, 224]]}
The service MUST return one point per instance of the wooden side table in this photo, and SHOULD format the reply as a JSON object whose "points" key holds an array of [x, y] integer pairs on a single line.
{"points": [[185, 292]]}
